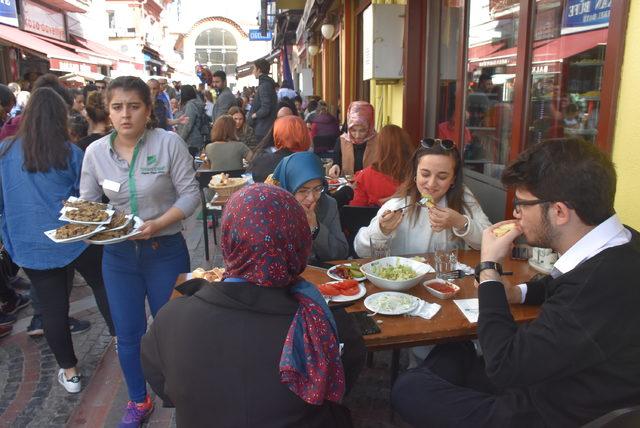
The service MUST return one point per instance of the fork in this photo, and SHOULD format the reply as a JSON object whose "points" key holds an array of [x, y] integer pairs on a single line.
{"points": [[454, 274]]}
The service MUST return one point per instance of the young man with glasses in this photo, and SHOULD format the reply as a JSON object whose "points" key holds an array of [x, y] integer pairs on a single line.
{"points": [[579, 359]]}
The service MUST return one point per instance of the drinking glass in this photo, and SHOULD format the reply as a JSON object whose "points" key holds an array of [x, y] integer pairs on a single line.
{"points": [[445, 259], [380, 248]]}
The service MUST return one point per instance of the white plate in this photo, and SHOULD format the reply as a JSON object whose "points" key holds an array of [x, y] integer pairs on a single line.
{"points": [[74, 199], [51, 234], [331, 274], [343, 298], [127, 221], [372, 303], [540, 268], [64, 217], [337, 182], [137, 223]]}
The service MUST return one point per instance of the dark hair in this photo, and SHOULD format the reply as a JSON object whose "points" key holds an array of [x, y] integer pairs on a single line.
{"points": [[187, 94], [286, 102], [312, 106], [297, 98], [131, 83], [44, 132], [288, 84], [96, 110], [75, 92], [78, 127], [262, 65], [221, 74], [455, 194], [567, 170], [51, 81], [224, 129], [7, 99]]}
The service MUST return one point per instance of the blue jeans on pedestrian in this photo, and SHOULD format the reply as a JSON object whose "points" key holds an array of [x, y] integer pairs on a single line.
{"points": [[133, 270]]}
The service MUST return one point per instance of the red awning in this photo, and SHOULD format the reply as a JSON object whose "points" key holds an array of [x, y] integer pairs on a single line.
{"points": [[483, 51], [83, 52], [569, 45], [106, 51], [65, 60]]}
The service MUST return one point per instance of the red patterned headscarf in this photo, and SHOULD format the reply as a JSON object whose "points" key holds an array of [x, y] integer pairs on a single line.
{"points": [[360, 113], [266, 241]]}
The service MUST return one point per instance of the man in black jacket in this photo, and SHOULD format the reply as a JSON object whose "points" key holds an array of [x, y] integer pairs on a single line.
{"points": [[263, 109], [580, 358]]}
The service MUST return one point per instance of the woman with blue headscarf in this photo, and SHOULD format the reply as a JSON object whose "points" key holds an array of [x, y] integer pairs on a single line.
{"points": [[302, 174], [261, 348]]}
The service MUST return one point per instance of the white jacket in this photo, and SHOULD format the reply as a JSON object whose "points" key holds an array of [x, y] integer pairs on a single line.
{"points": [[418, 238]]}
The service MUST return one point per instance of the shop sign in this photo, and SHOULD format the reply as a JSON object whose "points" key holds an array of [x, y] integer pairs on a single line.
{"points": [[496, 62], [8, 12], [70, 66], [586, 13], [43, 21], [256, 35]]}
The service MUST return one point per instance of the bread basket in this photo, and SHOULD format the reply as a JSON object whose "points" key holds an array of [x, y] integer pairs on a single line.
{"points": [[224, 189]]}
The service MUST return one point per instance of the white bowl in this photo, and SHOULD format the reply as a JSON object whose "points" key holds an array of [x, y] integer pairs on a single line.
{"points": [[386, 284], [440, 294]]}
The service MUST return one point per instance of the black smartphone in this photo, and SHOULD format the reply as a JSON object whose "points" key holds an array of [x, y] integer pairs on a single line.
{"points": [[366, 323]]}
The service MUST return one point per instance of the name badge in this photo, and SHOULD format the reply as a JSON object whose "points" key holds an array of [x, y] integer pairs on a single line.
{"points": [[111, 185]]}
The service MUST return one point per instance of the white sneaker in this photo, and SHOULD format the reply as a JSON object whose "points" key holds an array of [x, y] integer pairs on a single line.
{"points": [[72, 385]]}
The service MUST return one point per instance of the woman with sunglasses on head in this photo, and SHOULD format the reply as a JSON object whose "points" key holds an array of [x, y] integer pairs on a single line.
{"points": [[303, 175], [455, 218]]}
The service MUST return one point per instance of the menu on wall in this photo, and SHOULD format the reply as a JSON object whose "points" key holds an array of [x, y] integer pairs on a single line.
{"points": [[43, 21]]}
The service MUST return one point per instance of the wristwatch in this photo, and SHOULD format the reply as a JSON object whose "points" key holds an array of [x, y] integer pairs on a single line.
{"points": [[487, 265]]}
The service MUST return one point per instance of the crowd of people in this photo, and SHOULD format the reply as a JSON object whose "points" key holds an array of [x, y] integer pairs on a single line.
{"points": [[262, 347]]}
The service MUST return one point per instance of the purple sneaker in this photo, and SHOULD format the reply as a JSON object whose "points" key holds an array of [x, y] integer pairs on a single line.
{"points": [[136, 413]]}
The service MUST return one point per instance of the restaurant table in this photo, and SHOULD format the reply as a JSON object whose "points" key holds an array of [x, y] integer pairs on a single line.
{"points": [[449, 324]]}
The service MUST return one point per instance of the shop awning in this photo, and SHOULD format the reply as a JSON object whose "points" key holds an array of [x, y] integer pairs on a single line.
{"points": [[107, 52], [245, 69], [569, 45], [483, 51], [83, 52], [83, 76], [60, 59]]}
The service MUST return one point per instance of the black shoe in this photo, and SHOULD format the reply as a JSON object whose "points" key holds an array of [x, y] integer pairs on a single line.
{"points": [[18, 303], [78, 326], [7, 319], [36, 327]]}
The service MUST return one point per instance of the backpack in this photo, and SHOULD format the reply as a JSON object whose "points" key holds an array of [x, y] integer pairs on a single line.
{"points": [[205, 127]]}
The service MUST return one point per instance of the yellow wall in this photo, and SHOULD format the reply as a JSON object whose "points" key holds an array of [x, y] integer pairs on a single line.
{"points": [[626, 145], [387, 98]]}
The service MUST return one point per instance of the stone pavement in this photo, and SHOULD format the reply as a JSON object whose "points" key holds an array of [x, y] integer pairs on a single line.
{"points": [[30, 395]]}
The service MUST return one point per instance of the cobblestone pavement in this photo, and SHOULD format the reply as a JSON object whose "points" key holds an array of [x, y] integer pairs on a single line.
{"points": [[30, 395]]}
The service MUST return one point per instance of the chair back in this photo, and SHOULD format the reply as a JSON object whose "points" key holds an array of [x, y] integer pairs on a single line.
{"points": [[628, 417], [352, 219]]}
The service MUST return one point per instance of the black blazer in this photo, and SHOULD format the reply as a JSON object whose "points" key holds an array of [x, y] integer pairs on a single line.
{"points": [[214, 356]]}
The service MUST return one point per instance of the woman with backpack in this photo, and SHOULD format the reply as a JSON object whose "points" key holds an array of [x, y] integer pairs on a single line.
{"points": [[195, 132]]}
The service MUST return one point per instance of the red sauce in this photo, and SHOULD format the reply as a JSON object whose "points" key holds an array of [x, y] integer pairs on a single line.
{"points": [[442, 287]]}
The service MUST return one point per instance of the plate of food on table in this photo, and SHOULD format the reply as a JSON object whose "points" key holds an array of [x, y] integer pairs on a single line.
{"points": [[346, 271], [335, 182], [346, 290]]}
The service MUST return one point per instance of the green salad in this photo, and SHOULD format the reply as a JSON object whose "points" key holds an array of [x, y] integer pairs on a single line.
{"points": [[399, 272]]}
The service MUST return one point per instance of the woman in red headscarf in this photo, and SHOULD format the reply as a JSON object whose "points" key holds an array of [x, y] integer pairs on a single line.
{"points": [[262, 347], [355, 149]]}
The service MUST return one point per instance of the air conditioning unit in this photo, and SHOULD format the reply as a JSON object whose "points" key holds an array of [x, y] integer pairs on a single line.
{"points": [[382, 41]]}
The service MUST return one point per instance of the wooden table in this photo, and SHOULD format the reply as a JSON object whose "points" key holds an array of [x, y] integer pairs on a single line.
{"points": [[449, 324]]}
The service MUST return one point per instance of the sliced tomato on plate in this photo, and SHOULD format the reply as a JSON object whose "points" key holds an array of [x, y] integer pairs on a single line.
{"points": [[350, 291], [347, 283], [329, 290]]}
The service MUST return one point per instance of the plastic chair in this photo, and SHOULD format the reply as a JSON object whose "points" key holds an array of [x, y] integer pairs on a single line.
{"points": [[352, 219], [628, 417], [204, 177]]}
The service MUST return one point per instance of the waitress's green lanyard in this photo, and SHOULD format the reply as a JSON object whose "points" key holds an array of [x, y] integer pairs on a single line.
{"points": [[133, 193]]}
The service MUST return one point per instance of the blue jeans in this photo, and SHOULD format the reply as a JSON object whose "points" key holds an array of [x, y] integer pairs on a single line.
{"points": [[133, 270]]}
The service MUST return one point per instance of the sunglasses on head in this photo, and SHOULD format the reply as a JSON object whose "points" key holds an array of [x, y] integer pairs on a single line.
{"points": [[428, 143]]}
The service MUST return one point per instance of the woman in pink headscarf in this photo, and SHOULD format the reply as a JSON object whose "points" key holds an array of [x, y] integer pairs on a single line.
{"points": [[355, 149]]}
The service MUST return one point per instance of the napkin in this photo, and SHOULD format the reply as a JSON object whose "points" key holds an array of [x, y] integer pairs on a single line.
{"points": [[425, 310], [468, 270], [469, 308]]}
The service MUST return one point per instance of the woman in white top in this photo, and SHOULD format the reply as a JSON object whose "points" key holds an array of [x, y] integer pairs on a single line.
{"points": [[456, 219]]}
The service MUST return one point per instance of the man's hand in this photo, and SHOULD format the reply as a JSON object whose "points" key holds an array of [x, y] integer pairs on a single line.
{"points": [[445, 218], [390, 220], [495, 249]]}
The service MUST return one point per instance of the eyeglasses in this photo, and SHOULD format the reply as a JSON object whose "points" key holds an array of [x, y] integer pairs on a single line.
{"points": [[315, 191], [517, 203], [428, 143]]}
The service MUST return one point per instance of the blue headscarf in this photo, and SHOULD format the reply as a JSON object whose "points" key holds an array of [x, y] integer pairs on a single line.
{"points": [[297, 169]]}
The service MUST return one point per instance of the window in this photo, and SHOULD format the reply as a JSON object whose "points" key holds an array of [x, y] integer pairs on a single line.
{"points": [[217, 49], [111, 17]]}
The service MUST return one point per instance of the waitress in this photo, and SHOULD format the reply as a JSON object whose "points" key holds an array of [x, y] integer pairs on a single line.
{"points": [[148, 173]]}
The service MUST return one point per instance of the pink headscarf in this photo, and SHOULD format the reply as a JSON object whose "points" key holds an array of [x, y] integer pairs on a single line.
{"points": [[360, 113]]}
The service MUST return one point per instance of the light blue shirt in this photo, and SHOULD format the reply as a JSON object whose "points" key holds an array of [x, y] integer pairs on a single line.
{"points": [[29, 205]]}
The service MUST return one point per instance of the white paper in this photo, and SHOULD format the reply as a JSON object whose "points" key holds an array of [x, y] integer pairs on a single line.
{"points": [[469, 308], [425, 310], [111, 185]]}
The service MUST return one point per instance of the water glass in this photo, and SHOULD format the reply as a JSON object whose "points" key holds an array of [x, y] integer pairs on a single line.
{"points": [[445, 259], [380, 248]]}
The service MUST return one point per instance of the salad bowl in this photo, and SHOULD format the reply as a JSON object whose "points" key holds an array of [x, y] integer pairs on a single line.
{"points": [[395, 273]]}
